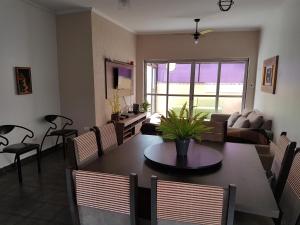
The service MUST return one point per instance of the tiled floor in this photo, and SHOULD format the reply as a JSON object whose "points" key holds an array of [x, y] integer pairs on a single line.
{"points": [[41, 200]]}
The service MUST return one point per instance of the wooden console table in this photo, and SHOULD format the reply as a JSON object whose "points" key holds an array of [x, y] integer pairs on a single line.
{"points": [[129, 127]]}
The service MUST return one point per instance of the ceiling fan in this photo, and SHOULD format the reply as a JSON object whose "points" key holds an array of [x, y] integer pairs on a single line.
{"points": [[124, 3], [198, 34]]}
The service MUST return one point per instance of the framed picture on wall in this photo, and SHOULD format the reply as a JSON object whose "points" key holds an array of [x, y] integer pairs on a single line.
{"points": [[269, 76], [23, 80]]}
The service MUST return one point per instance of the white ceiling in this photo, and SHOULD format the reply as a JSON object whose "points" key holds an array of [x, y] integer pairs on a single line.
{"points": [[164, 16]]}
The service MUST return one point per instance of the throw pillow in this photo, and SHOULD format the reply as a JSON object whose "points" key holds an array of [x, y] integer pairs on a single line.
{"points": [[255, 120], [242, 122], [246, 112], [233, 117]]}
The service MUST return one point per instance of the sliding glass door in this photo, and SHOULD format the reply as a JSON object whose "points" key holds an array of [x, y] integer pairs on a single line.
{"points": [[210, 86]]}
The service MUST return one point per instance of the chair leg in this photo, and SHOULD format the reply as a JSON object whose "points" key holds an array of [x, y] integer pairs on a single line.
{"points": [[41, 147], [64, 147], [15, 161], [57, 139], [19, 169], [38, 156]]}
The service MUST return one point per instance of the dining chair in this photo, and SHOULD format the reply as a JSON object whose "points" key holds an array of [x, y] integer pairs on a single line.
{"points": [[290, 199], [184, 203], [283, 151], [53, 130], [217, 133], [100, 198], [21, 148], [86, 149], [107, 136]]}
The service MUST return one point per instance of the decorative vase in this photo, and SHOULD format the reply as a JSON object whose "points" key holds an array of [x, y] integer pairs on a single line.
{"points": [[182, 146], [115, 116]]}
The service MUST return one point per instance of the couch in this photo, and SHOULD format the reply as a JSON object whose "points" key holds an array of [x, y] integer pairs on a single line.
{"points": [[249, 126]]}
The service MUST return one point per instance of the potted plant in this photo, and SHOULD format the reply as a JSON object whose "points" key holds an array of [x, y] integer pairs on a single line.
{"points": [[145, 106], [182, 128], [115, 106]]}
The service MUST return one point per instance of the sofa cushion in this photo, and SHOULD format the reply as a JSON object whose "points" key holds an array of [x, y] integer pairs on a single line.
{"points": [[246, 112], [242, 122], [233, 117], [255, 120]]}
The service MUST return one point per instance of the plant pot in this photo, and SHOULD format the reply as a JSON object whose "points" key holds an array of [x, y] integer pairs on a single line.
{"points": [[182, 146], [115, 116]]}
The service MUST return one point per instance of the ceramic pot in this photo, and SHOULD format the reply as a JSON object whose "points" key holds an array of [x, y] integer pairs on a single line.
{"points": [[115, 116]]}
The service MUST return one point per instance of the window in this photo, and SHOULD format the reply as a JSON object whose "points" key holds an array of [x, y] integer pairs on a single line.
{"points": [[216, 86]]}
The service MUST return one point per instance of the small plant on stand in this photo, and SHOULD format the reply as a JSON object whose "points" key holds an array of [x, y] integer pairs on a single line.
{"points": [[145, 106], [115, 106]]}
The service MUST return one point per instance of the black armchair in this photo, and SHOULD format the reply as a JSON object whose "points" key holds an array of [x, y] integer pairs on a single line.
{"points": [[63, 132], [19, 148]]}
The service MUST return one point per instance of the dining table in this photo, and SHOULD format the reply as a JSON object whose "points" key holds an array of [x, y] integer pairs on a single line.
{"points": [[240, 166]]}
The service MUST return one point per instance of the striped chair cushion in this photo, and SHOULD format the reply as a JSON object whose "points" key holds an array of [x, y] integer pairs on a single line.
{"points": [[279, 150], [85, 147], [189, 203], [290, 199], [294, 176], [102, 191], [108, 137]]}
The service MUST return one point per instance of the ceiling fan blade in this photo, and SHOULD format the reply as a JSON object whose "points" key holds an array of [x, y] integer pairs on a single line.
{"points": [[206, 31]]}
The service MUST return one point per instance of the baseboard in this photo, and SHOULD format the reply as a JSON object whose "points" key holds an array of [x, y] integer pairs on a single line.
{"points": [[29, 159]]}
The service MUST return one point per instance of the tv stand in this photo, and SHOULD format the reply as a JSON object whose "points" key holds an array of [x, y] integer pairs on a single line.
{"points": [[129, 127]]}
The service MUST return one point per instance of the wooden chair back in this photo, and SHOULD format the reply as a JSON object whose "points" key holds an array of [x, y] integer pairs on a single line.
{"points": [[100, 198], [184, 203], [283, 151], [290, 199], [85, 148]]}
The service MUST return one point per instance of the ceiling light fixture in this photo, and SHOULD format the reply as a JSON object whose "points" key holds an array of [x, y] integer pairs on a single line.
{"points": [[197, 34], [124, 3], [225, 5]]}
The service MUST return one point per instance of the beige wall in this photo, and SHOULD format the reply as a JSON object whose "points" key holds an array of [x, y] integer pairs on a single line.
{"points": [[84, 40], [281, 36], [75, 60], [216, 45], [114, 42]]}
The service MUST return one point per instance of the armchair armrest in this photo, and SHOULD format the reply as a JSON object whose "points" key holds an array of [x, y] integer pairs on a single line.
{"points": [[219, 117]]}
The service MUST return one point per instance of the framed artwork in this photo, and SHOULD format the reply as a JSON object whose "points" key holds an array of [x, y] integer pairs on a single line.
{"points": [[23, 80], [269, 75]]}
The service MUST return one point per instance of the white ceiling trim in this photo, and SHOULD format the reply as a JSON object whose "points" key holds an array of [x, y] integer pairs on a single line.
{"points": [[112, 20], [38, 6]]}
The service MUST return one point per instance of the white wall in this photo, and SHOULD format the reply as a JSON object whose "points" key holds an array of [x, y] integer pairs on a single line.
{"points": [[27, 38], [281, 36]]}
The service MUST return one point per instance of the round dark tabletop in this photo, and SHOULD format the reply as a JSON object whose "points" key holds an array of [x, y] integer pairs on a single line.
{"points": [[200, 157]]}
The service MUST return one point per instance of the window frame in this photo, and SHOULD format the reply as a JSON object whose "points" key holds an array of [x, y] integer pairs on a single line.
{"points": [[191, 95]]}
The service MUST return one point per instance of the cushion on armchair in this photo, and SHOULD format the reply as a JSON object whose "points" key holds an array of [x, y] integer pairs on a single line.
{"points": [[246, 112], [233, 118], [242, 122], [255, 120]]}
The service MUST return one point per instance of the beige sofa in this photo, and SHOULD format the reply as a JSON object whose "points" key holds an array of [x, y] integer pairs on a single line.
{"points": [[250, 126]]}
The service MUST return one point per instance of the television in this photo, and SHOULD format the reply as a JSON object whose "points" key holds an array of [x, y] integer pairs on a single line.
{"points": [[122, 78]]}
